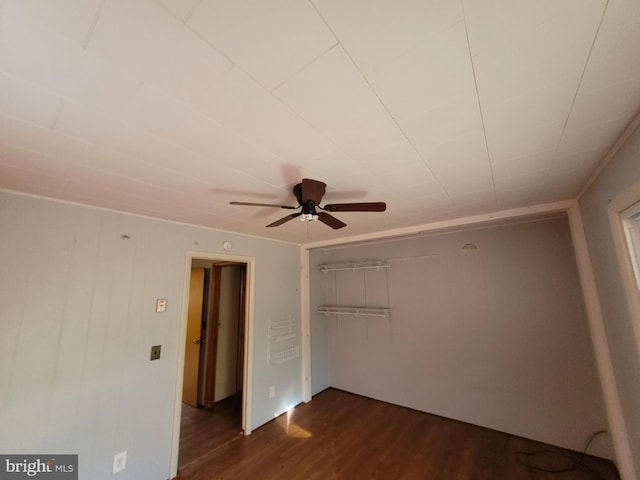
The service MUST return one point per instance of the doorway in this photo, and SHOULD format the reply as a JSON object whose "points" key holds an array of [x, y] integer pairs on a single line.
{"points": [[216, 345]]}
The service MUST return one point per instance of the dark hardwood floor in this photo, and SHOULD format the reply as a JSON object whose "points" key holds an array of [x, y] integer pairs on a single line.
{"points": [[344, 436], [203, 431]]}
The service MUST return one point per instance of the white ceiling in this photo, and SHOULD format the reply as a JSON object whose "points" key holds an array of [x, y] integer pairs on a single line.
{"points": [[441, 108]]}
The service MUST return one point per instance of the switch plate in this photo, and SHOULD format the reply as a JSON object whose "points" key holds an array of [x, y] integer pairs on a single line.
{"points": [[119, 462], [161, 305], [272, 391], [155, 352]]}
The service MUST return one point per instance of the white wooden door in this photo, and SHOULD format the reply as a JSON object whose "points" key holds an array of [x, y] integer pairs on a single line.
{"points": [[227, 351]]}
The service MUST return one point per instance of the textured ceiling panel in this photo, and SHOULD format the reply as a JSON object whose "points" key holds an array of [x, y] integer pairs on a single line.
{"points": [[270, 39], [173, 108]]}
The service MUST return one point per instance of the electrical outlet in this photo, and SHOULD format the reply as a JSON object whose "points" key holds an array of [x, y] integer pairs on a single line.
{"points": [[272, 391], [155, 352], [119, 462], [161, 305]]}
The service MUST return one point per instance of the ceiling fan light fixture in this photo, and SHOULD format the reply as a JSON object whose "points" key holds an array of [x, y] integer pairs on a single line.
{"points": [[309, 194]]}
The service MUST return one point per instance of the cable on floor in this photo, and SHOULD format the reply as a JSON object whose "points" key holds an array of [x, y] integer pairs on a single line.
{"points": [[536, 460]]}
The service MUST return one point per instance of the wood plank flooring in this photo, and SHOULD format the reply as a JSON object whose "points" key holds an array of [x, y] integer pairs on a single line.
{"points": [[203, 431], [344, 436]]}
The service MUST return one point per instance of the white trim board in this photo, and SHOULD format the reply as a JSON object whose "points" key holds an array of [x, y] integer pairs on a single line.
{"points": [[615, 416], [617, 205], [561, 206], [305, 324], [140, 215], [633, 125]]}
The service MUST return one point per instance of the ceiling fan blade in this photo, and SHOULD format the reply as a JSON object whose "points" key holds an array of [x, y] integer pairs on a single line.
{"points": [[356, 207], [251, 204], [312, 190], [284, 219], [330, 220]]}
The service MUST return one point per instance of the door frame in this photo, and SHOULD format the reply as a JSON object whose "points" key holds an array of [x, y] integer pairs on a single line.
{"points": [[248, 345]]}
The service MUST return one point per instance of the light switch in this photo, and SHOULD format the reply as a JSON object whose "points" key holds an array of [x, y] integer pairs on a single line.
{"points": [[155, 352], [161, 305]]}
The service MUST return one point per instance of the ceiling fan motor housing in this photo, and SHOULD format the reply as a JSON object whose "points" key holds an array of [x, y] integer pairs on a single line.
{"points": [[308, 206], [309, 194]]}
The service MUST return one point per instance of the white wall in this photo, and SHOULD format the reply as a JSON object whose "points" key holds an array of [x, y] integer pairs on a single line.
{"points": [[497, 337], [620, 174], [77, 320]]}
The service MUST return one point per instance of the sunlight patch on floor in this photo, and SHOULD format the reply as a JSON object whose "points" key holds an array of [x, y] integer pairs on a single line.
{"points": [[291, 428]]}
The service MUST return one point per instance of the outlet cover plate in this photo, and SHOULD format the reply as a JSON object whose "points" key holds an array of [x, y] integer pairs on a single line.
{"points": [[161, 305], [119, 462], [155, 352]]}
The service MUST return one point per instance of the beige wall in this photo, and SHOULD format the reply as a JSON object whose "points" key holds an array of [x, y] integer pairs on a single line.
{"points": [[77, 320], [496, 337], [622, 172]]}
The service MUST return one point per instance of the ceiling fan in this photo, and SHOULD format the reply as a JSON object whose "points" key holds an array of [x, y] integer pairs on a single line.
{"points": [[309, 193]]}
